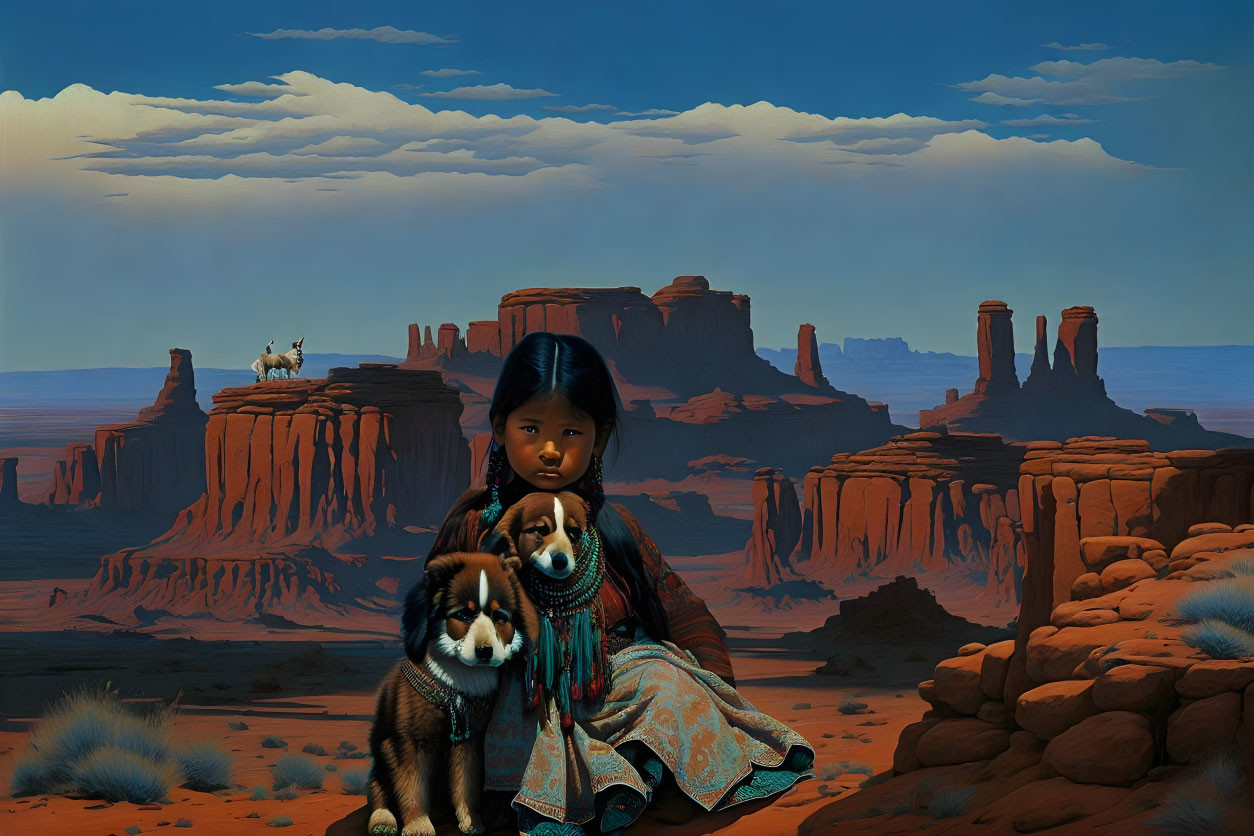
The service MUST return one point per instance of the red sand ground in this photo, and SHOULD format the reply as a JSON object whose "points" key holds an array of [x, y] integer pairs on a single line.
{"points": [[865, 738]]}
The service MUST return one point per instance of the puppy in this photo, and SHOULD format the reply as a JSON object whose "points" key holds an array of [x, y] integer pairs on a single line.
{"points": [[543, 530], [466, 618]]}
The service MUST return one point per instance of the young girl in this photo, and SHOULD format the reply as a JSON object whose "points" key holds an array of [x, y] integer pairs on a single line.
{"points": [[668, 721]]}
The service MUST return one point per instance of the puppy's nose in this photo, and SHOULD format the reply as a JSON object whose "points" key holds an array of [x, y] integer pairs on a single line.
{"points": [[484, 652], [560, 560]]}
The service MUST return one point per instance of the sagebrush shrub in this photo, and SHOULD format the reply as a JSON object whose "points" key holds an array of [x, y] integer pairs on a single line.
{"points": [[949, 802], [205, 767], [1219, 640], [273, 741], [313, 749], [1228, 600], [91, 742], [353, 781], [1202, 804], [297, 771]]}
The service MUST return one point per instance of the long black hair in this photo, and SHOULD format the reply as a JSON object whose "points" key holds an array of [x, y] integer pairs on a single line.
{"points": [[540, 364]]}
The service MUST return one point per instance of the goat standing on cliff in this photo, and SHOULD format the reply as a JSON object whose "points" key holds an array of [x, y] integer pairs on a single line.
{"points": [[289, 362]]}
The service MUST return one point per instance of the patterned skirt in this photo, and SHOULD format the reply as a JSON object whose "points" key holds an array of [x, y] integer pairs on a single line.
{"points": [[662, 711]]}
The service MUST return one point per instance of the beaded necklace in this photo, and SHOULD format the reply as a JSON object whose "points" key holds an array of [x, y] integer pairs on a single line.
{"points": [[569, 662], [466, 712]]}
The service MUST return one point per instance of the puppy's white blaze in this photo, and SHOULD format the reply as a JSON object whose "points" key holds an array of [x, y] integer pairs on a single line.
{"points": [[483, 590]]}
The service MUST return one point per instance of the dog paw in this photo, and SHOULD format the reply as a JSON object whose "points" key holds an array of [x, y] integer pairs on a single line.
{"points": [[471, 824], [419, 827], [382, 823]]}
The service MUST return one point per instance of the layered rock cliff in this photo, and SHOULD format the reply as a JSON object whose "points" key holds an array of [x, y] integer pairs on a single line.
{"points": [[1126, 699], [297, 469], [924, 501]]}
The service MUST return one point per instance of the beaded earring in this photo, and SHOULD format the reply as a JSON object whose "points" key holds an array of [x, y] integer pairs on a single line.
{"points": [[496, 471], [596, 492]]}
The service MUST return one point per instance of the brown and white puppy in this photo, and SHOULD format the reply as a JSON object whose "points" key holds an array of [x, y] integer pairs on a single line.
{"points": [[462, 622], [543, 530]]}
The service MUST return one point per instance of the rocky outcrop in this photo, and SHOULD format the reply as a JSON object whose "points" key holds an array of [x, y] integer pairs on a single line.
{"points": [[297, 469], [76, 478], [808, 369], [323, 461], [685, 338], [1059, 402], [924, 501], [685, 368], [776, 530], [9, 499], [1123, 697], [1076, 496], [995, 343], [156, 463]]}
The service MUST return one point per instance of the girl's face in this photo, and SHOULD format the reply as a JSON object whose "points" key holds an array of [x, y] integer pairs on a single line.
{"points": [[548, 442]]}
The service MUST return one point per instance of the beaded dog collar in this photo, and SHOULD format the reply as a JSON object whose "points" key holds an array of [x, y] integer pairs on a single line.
{"points": [[569, 662], [465, 711]]}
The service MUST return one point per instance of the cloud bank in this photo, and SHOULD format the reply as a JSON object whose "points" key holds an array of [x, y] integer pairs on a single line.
{"points": [[382, 34]]}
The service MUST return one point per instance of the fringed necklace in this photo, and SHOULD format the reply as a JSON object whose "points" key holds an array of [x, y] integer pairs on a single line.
{"points": [[466, 712], [569, 663]]}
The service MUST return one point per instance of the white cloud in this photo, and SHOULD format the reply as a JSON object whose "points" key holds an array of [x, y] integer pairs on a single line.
{"points": [[382, 34], [489, 92], [1097, 83], [1117, 70], [1037, 90], [998, 99], [581, 108], [314, 134], [653, 111], [344, 146], [404, 86], [448, 73], [255, 89], [1045, 120], [1077, 47]]}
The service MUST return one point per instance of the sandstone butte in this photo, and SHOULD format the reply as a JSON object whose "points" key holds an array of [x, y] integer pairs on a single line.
{"points": [[296, 469], [684, 363], [153, 464], [1057, 402], [1099, 711], [926, 501]]}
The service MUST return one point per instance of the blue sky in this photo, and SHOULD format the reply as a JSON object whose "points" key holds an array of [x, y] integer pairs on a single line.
{"points": [[306, 168]]}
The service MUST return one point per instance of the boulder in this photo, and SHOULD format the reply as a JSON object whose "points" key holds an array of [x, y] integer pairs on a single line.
{"points": [[1100, 552], [961, 740], [904, 759], [1139, 688], [958, 683], [1123, 573], [1050, 709], [1113, 748], [1212, 677], [1204, 726], [993, 668]]}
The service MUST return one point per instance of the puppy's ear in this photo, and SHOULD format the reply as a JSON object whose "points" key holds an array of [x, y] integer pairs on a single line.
{"points": [[507, 528], [440, 570], [525, 614], [414, 621], [494, 542]]}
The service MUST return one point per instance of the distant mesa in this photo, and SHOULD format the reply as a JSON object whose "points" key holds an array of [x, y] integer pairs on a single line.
{"points": [[154, 464], [686, 369], [1058, 400], [298, 471]]}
